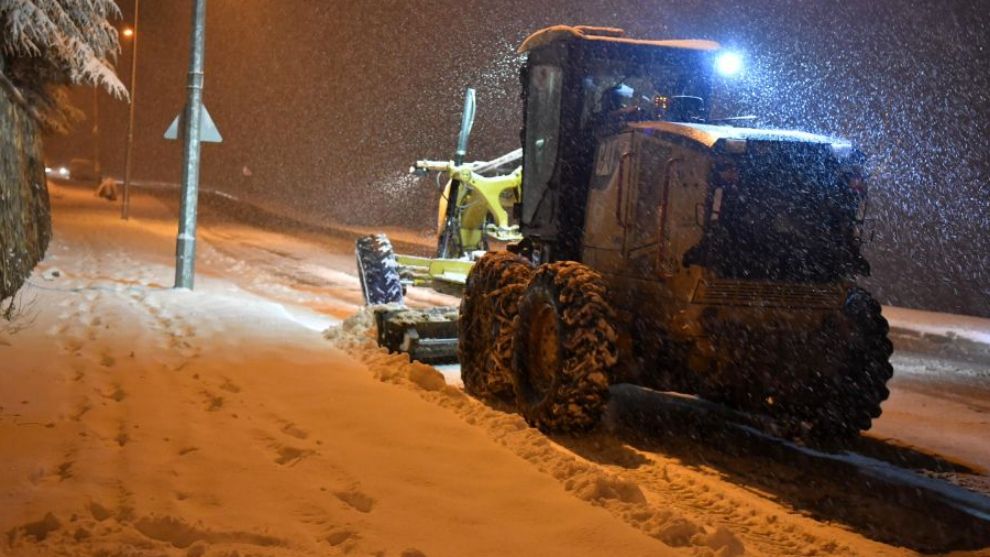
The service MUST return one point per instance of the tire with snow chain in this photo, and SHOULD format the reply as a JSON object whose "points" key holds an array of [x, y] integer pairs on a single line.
{"points": [[487, 309], [564, 347], [854, 397], [378, 270]]}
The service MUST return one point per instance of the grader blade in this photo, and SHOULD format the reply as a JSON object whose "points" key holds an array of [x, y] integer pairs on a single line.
{"points": [[428, 335]]}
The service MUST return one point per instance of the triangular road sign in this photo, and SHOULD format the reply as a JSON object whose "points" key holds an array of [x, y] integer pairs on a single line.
{"points": [[208, 131]]}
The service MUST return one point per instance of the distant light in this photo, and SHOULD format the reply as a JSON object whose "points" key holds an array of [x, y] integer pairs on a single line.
{"points": [[128, 32], [729, 63], [48, 170], [63, 171]]}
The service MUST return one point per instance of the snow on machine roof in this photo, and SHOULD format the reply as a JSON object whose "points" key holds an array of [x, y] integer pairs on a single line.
{"points": [[708, 134], [605, 34]]}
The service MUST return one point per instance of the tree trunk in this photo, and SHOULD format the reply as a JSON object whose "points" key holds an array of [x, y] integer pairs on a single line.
{"points": [[25, 214]]}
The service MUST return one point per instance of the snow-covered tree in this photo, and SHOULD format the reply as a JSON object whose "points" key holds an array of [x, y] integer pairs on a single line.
{"points": [[46, 45]]}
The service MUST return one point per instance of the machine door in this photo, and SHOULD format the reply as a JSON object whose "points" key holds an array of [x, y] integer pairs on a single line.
{"points": [[606, 216], [646, 206]]}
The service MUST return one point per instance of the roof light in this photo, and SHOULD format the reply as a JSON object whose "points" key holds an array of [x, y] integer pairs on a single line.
{"points": [[729, 63]]}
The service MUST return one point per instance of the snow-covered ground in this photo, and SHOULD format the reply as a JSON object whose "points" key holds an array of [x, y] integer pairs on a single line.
{"points": [[974, 329], [940, 394], [140, 420]]}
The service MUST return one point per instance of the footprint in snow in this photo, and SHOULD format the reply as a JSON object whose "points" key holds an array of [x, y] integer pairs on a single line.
{"points": [[229, 386], [290, 455], [356, 500], [338, 537], [294, 431]]}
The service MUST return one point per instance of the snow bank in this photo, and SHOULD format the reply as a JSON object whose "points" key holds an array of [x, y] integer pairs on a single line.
{"points": [[623, 498], [356, 335], [688, 509]]}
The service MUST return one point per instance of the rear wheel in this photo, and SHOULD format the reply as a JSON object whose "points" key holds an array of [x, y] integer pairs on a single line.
{"points": [[487, 308], [854, 397], [378, 270], [564, 347]]}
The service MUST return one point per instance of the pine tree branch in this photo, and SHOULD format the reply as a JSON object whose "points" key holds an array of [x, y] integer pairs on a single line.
{"points": [[48, 43]]}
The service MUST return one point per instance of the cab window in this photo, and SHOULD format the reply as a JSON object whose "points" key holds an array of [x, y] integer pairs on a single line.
{"points": [[542, 133]]}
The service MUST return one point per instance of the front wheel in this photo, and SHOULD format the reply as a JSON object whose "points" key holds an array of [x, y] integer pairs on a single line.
{"points": [[564, 347], [378, 270]]}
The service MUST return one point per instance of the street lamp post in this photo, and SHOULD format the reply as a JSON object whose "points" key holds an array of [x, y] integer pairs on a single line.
{"points": [[97, 170], [126, 204]]}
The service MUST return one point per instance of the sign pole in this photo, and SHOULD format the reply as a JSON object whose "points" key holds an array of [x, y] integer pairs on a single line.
{"points": [[185, 246]]}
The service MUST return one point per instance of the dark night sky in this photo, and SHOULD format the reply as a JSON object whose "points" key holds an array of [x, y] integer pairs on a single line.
{"points": [[327, 102]]}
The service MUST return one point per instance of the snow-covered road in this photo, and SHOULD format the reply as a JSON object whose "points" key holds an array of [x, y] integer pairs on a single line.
{"points": [[139, 420]]}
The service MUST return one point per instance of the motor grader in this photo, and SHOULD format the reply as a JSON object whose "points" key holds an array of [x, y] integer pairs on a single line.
{"points": [[660, 247]]}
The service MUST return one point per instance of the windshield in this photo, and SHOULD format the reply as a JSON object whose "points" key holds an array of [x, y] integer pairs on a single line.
{"points": [[645, 88]]}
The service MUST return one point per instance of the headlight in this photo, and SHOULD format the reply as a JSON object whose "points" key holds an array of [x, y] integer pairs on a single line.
{"points": [[729, 63]]}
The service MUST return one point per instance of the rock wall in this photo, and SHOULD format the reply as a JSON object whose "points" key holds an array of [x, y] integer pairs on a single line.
{"points": [[25, 214]]}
